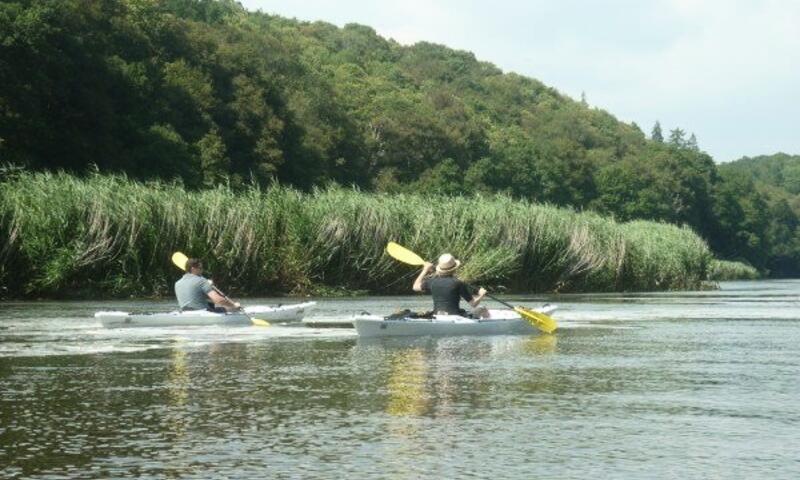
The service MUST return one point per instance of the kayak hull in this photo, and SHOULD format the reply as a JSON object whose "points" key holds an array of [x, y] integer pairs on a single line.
{"points": [[500, 322], [281, 313]]}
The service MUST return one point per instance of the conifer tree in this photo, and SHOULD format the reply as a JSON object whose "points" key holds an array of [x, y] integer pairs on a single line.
{"points": [[692, 143], [676, 137], [657, 135]]}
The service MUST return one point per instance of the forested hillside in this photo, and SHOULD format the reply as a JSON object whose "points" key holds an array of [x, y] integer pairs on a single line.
{"points": [[776, 178], [207, 93], [776, 173]]}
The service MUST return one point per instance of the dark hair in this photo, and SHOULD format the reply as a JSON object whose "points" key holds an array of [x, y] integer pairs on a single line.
{"points": [[193, 263]]}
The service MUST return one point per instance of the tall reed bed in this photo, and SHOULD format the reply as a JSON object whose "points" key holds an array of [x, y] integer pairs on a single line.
{"points": [[106, 235], [728, 270]]}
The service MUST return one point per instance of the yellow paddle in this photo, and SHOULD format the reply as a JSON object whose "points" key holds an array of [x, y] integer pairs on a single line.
{"points": [[404, 255], [179, 259], [539, 320]]}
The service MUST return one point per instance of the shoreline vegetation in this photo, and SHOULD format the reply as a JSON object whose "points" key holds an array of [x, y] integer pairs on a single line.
{"points": [[64, 235], [208, 94], [722, 270]]}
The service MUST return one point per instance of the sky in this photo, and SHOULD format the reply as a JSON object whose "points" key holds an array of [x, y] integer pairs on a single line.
{"points": [[726, 70]]}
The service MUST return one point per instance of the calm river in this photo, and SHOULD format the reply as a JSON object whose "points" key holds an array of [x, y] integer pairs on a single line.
{"points": [[663, 385]]}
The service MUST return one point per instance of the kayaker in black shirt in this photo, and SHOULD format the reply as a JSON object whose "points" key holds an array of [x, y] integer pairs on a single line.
{"points": [[447, 290]]}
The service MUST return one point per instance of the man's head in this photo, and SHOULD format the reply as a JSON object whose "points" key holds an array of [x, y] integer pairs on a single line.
{"points": [[447, 265], [194, 265]]}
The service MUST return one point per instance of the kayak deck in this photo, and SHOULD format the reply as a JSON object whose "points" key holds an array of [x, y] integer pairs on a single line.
{"points": [[500, 322], [280, 313]]}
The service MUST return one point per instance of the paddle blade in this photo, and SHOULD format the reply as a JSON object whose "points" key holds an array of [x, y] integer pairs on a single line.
{"points": [[259, 323], [179, 260], [403, 254], [538, 319]]}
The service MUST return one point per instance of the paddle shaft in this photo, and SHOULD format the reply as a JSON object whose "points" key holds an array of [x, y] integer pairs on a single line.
{"points": [[223, 295], [538, 319], [500, 301], [493, 298]]}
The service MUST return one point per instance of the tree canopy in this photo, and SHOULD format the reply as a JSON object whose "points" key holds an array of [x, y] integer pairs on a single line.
{"points": [[204, 92]]}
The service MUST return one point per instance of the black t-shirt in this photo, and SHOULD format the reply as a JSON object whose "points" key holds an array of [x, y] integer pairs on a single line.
{"points": [[446, 292]]}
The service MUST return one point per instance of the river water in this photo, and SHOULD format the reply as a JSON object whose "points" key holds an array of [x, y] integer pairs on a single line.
{"points": [[661, 385]]}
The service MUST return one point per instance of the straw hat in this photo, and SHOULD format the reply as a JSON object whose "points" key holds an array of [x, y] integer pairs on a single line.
{"points": [[447, 264]]}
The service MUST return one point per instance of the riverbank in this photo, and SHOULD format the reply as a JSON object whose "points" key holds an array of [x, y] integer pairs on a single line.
{"points": [[113, 237]]}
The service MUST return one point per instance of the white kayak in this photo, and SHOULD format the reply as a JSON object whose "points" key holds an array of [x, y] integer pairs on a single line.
{"points": [[500, 322], [280, 313]]}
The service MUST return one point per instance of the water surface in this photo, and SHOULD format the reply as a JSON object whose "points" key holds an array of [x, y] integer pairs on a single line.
{"points": [[662, 385]]}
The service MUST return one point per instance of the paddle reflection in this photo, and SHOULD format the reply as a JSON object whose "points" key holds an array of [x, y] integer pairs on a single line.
{"points": [[545, 344], [408, 383], [178, 381]]}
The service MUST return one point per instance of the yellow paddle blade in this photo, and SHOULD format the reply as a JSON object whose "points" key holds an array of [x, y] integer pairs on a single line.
{"points": [[260, 323], [179, 260], [538, 319], [403, 254]]}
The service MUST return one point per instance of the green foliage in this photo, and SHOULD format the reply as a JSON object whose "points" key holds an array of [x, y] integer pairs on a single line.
{"points": [[206, 93], [661, 255], [665, 183], [676, 137], [791, 178], [233, 96], [657, 135], [214, 162], [761, 211], [110, 235], [726, 270], [779, 170], [445, 178]]}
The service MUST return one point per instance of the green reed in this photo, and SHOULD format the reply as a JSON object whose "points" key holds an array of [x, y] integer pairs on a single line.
{"points": [[728, 270], [106, 235]]}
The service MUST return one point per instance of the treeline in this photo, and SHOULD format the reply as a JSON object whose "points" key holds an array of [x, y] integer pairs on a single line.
{"points": [[106, 235], [209, 94], [777, 174], [769, 190]]}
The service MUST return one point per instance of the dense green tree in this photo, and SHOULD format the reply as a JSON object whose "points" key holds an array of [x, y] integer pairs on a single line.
{"points": [[677, 137], [777, 174], [783, 240], [657, 135], [791, 178], [691, 144], [741, 219], [214, 162], [445, 178], [775, 179]]}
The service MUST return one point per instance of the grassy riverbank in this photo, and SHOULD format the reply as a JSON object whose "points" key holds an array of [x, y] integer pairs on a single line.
{"points": [[107, 235]]}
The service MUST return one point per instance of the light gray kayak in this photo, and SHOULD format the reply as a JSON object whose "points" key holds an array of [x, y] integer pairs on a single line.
{"points": [[500, 322], [280, 313]]}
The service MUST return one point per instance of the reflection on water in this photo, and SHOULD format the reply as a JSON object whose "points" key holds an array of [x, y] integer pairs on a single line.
{"points": [[408, 397], [540, 345], [408, 383], [700, 385], [178, 387]]}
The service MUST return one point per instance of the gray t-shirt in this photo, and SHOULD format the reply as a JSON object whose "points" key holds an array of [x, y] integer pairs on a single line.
{"points": [[192, 292]]}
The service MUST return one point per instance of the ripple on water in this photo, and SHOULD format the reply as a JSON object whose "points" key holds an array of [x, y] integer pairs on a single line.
{"points": [[634, 386]]}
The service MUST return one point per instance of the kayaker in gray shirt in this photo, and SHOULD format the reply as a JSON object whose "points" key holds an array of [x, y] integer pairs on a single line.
{"points": [[195, 292]]}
